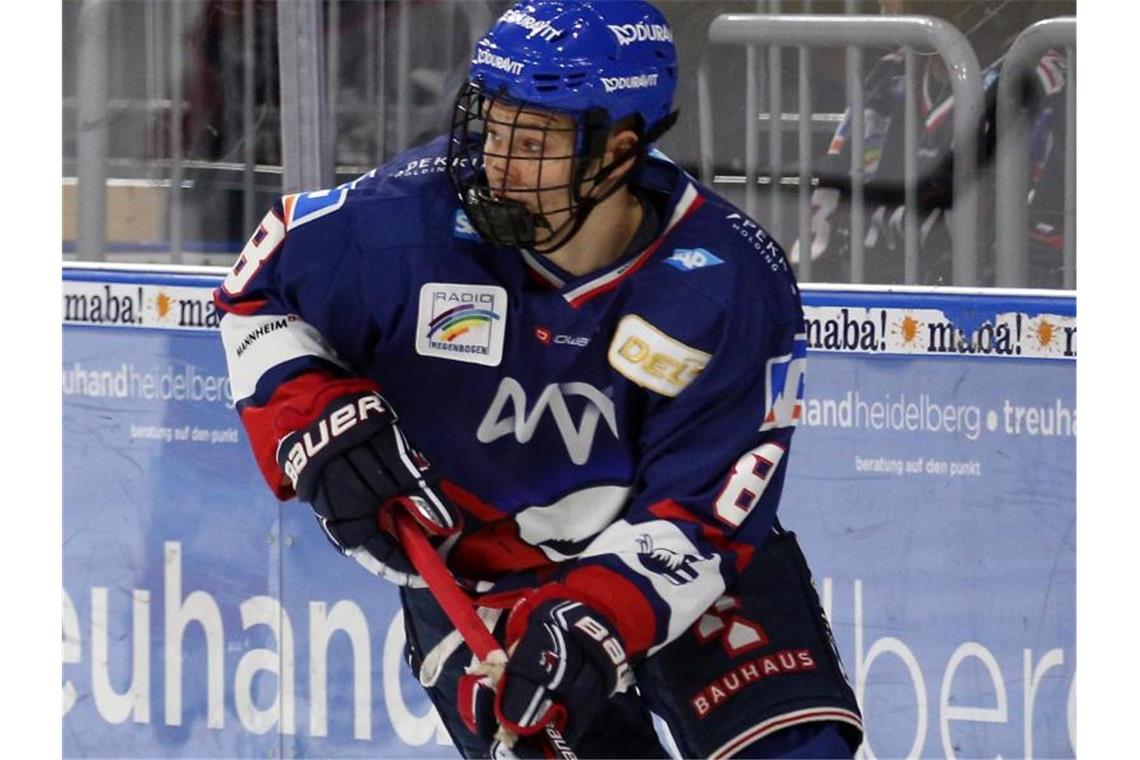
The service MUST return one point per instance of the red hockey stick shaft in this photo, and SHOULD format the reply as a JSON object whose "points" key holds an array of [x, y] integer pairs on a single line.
{"points": [[461, 611], [456, 604]]}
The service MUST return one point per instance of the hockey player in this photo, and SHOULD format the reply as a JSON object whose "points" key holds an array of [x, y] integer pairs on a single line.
{"points": [[603, 363]]}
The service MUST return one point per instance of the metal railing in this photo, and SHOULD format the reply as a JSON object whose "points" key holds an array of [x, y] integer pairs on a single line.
{"points": [[303, 49], [304, 153], [1013, 122], [311, 68], [855, 32], [161, 49], [91, 148]]}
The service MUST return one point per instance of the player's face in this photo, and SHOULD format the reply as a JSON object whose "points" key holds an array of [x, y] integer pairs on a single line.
{"points": [[528, 156]]}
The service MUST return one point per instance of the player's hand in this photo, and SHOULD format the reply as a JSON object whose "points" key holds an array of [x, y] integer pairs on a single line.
{"points": [[568, 662], [348, 464]]}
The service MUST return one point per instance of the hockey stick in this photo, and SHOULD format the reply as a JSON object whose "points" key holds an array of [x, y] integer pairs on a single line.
{"points": [[461, 612]]}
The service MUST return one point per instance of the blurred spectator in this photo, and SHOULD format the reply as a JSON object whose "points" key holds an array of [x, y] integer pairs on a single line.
{"points": [[883, 158]]}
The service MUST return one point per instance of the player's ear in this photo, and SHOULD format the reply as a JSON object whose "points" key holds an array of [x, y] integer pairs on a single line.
{"points": [[621, 144]]}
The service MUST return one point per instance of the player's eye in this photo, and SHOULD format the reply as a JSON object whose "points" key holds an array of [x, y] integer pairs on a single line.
{"points": [[492, 137]]}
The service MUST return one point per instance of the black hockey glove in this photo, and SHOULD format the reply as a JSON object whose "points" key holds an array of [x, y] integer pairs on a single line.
{"points": [[349, 464], [567, 664]]}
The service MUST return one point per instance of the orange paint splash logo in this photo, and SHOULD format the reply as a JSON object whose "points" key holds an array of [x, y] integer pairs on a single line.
{"points": [[162, 304], [908, 329]]}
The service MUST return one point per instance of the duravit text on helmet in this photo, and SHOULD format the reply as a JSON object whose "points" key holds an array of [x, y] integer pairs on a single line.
{"points": [[638, 82], [501, 62], [535, 27], [628, 34]]}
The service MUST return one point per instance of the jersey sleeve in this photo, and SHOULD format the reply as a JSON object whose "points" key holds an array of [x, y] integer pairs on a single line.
{"points": [[295, 320], [708, 483]]}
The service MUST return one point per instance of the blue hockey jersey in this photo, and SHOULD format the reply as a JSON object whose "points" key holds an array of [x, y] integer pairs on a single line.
{"points": [[625, 430]]}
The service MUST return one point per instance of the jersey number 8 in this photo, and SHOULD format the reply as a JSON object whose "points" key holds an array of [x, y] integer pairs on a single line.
{"points": [[263, 244], [747, 481]]}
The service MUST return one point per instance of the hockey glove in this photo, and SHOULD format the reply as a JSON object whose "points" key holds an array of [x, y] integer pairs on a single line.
{"points": [[349, 465], [567, 663]]}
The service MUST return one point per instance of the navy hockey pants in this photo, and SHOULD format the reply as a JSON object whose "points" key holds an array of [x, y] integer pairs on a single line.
{"points": [[714, 697]]}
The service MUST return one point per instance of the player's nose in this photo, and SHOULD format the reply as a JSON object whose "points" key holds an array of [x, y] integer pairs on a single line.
{"points": [[501, 171]]}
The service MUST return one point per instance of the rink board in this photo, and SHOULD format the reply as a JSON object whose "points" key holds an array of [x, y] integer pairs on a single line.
{"points": [[932, 484]]}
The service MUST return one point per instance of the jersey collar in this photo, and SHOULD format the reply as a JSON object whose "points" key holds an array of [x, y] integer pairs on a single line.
{"points": [[609, 278]]}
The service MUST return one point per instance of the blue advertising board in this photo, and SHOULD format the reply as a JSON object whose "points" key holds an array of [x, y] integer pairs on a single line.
{"points": [[934, 492], [932, 484]]}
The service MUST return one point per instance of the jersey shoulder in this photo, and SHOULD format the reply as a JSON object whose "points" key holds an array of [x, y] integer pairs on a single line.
{"points": [[405, 203], [417, 170], [717, 260]]}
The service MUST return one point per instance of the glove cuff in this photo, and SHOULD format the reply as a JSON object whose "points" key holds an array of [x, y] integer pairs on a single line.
{"points": [[552, 714], [347, 421]]}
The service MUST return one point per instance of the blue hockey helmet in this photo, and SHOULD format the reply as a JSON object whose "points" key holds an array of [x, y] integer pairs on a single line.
{"points": [[598, 64]]}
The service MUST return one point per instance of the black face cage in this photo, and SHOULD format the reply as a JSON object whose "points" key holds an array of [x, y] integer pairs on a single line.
{"points": [[516, 215]]}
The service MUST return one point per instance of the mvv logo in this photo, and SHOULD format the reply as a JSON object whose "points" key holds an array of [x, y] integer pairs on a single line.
{"points": [[579, 439]]}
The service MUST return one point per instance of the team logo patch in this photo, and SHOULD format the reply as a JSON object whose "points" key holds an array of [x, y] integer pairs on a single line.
{"points": [[462, 228], [652, 359], [463, 323], [675, 567], [688, 259]]}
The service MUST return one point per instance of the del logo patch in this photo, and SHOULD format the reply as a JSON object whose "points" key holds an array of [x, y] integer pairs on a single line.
{"points": [[464, 323], [653, 359]]}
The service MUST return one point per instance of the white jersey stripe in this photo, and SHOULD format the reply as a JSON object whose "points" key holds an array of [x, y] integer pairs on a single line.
{"points": [[541, 270], [794, 718], [254, 345]]}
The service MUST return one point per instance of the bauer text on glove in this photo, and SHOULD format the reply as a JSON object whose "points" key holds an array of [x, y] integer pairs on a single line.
{"points": [[348, 464], [567, 663]]}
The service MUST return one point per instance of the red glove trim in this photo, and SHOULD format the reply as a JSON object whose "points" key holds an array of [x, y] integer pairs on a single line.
{"points": [[624, 606], [619, 599], [295, 404], [467, 698]]}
